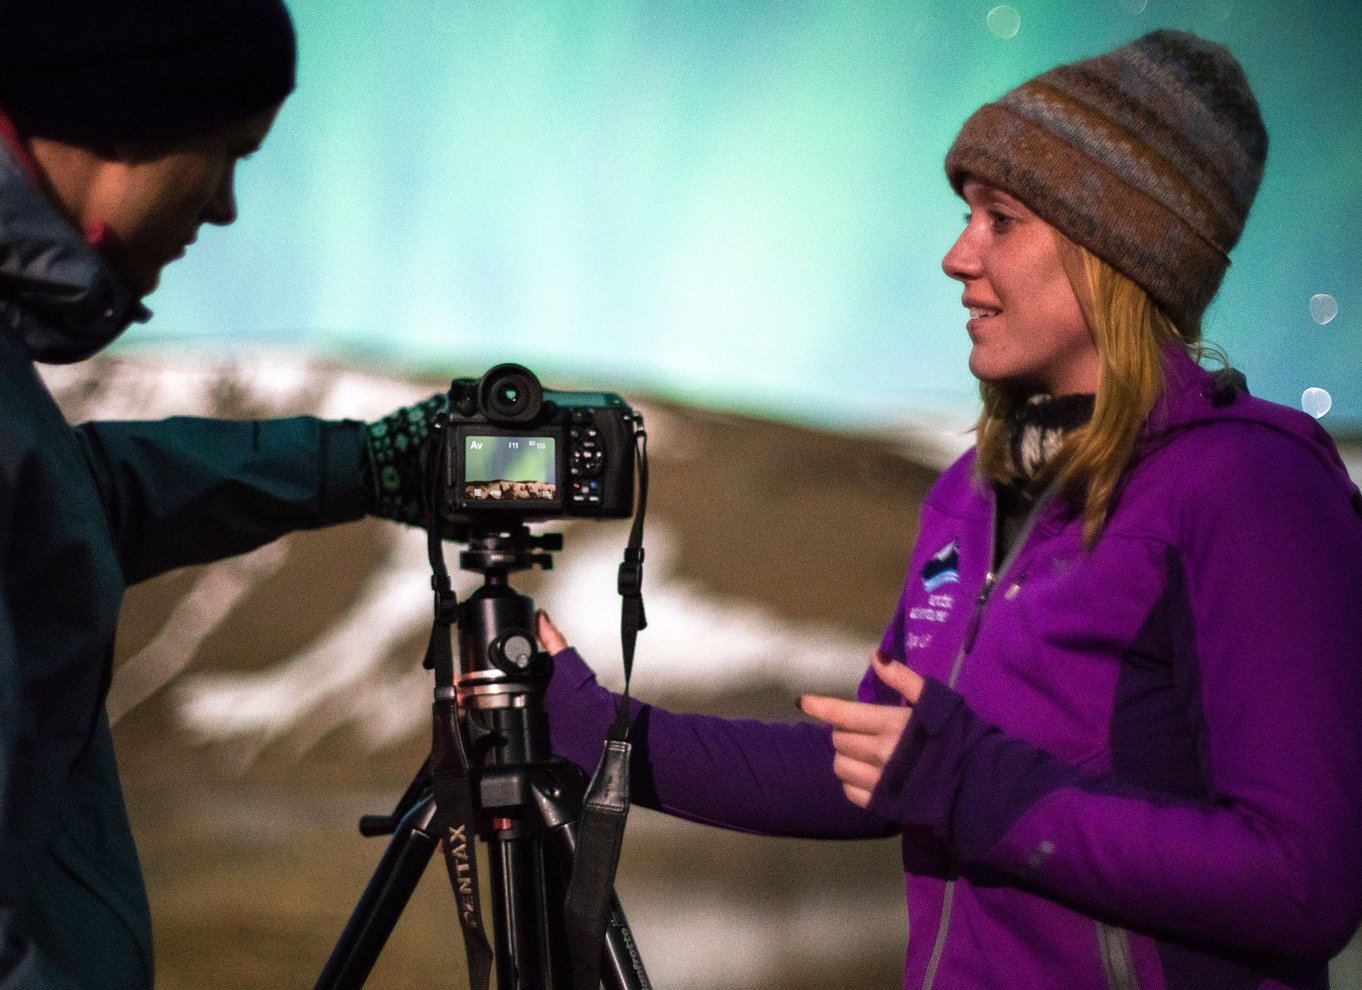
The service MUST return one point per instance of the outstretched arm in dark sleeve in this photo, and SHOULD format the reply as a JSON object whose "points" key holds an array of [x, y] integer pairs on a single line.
{"points": [[187, 490]]}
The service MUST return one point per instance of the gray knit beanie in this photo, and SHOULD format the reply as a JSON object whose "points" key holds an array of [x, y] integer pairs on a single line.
{"points": [[1149, 156]]}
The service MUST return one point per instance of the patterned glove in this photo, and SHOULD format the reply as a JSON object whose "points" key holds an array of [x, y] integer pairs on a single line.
{"points": [[393, 475]]}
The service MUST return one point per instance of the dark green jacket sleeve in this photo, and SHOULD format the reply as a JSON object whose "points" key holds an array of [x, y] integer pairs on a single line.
{"points": [[188, 490]]}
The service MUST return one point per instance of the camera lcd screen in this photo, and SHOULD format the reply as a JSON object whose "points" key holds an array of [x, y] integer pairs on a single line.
{"points": [[510, 469]]}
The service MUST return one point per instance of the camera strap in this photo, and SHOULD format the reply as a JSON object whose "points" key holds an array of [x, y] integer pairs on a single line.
{"points": [[600, 830], [455, 810]]}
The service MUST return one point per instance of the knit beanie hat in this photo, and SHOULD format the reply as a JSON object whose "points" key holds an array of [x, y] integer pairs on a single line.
{"points": [[1149, 156], [88, 71]]}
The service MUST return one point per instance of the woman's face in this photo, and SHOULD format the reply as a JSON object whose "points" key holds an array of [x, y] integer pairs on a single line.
{"points": [[1025, 322], [152, 203]]}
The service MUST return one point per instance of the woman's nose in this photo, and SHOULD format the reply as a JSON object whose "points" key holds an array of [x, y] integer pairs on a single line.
{"points": [[962, 260]]}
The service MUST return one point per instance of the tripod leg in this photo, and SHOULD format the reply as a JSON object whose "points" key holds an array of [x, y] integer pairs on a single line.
{"points": [[381, 905], [520, 909], [621, 964]]}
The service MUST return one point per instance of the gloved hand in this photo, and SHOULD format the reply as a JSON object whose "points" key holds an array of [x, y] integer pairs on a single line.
{"points": [[393, 473]]}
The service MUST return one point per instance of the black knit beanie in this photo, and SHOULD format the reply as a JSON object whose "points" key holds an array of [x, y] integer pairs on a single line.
{"points": [[1149, 156], [89, 71]]}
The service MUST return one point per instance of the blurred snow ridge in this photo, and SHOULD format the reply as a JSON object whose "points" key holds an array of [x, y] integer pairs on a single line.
{"points": [[696, 644]]}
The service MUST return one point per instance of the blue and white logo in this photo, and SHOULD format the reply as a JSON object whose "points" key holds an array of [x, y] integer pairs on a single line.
{"points": [[943, 568]]}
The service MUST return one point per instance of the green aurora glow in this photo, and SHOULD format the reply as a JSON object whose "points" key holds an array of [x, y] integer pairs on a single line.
{"points": [[740, 204]]}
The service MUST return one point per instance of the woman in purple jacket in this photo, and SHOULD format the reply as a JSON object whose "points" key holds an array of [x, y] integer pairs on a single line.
{"points": [[1117, 715]]}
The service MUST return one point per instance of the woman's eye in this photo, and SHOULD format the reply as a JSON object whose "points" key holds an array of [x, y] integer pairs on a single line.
{"points": [[998, 222]]}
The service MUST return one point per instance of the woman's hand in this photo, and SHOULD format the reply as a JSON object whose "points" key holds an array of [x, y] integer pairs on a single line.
{"points": [[865, 736], [549, 636]]}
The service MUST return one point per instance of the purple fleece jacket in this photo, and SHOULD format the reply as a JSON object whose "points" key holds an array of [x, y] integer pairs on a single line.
{"points": [[1139, 766]]}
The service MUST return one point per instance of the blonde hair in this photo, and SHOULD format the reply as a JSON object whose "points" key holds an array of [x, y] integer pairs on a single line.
{"points": [[1129, 330]]}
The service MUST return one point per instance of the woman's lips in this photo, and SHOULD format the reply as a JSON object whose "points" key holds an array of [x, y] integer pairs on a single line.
{"points": [[977, 316]]}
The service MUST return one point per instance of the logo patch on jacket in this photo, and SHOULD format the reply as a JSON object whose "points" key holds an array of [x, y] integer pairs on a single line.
{"points": [[943, 568]]}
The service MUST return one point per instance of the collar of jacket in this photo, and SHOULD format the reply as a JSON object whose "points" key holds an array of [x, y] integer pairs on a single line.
{"points": [[57, 294], [1194, 397]]}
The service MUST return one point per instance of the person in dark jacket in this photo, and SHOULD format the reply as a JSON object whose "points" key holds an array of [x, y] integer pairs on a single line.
{"points": [[1114, 718], [121, 125]]}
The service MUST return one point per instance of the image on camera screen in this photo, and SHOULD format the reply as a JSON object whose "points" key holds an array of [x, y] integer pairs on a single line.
{"points": [[510, 469]]}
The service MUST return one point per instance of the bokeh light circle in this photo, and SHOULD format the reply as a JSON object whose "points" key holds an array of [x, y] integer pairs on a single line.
{"points": [[1323, 308], [1221, 9], [1004, 21], [1316, 402]]}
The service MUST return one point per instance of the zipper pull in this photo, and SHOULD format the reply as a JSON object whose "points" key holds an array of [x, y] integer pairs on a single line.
{"points": [[984, 592], [1014, 589]]}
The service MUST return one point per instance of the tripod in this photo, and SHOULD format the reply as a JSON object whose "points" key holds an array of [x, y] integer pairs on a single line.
{"points": [[525, 803]]}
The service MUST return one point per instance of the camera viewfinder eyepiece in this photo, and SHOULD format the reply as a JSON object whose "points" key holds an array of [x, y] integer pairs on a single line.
{"points": [[510, 393]]}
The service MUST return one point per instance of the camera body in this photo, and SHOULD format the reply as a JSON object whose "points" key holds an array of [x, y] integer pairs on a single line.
{"points": [[518, 452]]}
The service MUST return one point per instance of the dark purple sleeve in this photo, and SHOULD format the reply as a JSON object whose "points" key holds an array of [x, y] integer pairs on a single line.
{"points": [[763, 777], [1271, 862]]}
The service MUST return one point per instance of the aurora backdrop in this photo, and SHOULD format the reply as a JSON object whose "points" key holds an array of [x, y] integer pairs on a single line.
{"points": [[739, 204]]}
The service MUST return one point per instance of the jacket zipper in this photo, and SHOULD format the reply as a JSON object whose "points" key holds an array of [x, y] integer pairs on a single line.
{"points": [[1118, 963], [971, 631], [991, 578]]}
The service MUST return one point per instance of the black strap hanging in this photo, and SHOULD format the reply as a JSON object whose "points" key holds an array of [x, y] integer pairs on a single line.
{"points": [[455, 806], [600, 832]]}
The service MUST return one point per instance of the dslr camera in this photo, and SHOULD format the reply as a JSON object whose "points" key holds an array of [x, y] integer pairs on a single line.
{"points": [[519, 452]]}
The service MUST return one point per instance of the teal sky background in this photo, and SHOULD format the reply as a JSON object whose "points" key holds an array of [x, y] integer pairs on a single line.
{"points": [[739, 204]]}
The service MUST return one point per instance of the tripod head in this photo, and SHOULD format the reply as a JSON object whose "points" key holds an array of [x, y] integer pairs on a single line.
{"points": [[505, 549], [502, 674]]}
